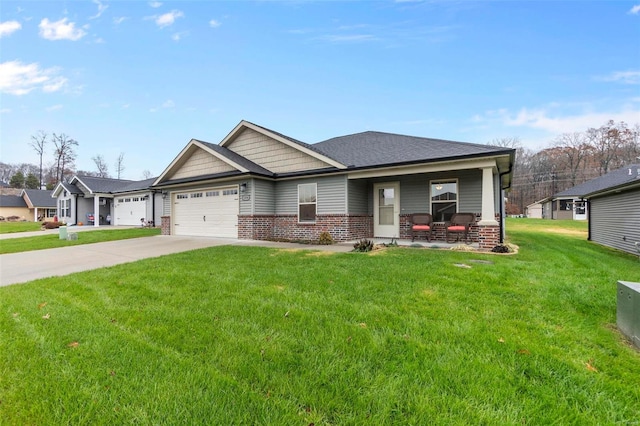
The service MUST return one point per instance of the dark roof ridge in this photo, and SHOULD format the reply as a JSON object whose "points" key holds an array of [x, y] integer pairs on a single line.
{"points": [[414, 137]]}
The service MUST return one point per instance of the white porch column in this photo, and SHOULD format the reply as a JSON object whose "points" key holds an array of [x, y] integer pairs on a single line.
{"points": [[488, 203], [35, 214], [96, 210]]}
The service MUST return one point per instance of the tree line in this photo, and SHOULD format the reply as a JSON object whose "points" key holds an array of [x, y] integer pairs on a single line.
{"points": [[55, 164], [569, 160]]}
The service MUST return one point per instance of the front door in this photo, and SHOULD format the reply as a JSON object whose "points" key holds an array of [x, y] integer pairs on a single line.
{"points": [[386, 210], [580, 210]]}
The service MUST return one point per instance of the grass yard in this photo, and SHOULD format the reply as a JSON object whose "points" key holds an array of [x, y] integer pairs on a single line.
{"points": [[250, 335], [47, 241], [12, 227]]}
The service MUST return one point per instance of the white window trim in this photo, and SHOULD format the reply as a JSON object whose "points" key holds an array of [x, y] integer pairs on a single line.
{"points": [[431, 202], [299, 204]]}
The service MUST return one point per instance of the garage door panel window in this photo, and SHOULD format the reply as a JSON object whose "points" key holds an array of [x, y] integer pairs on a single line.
{"points": [[307, 202]]}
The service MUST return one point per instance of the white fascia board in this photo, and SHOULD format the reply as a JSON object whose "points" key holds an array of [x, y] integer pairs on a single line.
{"points": [[222, 158], [246, 124], [173, 163], [56, 190], [182, 153], [424, 168], [77, 179]]}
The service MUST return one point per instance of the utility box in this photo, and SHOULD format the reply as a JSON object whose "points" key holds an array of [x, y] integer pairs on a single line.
{"points": [[62, 232], [628, 311]]}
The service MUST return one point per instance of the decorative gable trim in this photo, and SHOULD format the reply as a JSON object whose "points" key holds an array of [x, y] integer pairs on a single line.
{"points": [[280, 138], [186, 153], [84, 185], [56, 191]]}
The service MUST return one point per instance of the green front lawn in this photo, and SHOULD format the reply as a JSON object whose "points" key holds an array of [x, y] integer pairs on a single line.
{"points": [[11, 227], [250, 335], [47, 241]]}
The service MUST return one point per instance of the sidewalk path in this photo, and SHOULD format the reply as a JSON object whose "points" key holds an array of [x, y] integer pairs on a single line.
{"points": [[27, 266]]}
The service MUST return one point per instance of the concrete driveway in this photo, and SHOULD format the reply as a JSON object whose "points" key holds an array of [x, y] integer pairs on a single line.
{"points": [[27, 266]]}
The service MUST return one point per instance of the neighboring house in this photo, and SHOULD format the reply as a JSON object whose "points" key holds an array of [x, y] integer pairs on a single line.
{"points": [[31, 205], [260, 184], [614, 215], [13, 206], [534, 210], [41, 206], [96, 201], [568, 204]]}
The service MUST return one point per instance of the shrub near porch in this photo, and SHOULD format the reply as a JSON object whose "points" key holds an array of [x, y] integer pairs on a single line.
{"points": [[248, 335]]}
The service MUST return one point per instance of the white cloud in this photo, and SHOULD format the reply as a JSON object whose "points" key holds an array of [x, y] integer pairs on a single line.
{"points": [[626, 77], [178, 36], [214, 24], [635, 10], [119, 20], [54, 108], [168, 18], [101, 9], [168, 104], [8, 27], [5, 111], [18, 79], [60, 30], [554, 122], [155, 4]]}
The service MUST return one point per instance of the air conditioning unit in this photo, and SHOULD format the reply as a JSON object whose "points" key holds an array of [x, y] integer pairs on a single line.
{"points": [[628, 310]]}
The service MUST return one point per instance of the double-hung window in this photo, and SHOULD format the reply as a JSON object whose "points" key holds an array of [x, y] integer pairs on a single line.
{"points": [[444, 199], [307, 202]]}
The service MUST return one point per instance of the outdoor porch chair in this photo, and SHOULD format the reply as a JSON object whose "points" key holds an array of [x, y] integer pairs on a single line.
{"points": [[460, 224], [421, 222]]}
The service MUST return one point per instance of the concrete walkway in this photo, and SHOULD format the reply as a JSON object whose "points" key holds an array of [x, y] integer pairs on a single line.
{"points": [[27, 266]]}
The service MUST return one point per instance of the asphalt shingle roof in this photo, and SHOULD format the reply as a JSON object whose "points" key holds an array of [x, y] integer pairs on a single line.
{"points": [[107, 185], [12, 201], [136, 185], [238, 159], [368, 149], [41, 198], [612, 179]]}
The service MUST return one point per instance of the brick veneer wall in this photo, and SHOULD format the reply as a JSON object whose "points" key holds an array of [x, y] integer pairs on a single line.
{"points": [[287, 227], [165, 225], [487, 237]]}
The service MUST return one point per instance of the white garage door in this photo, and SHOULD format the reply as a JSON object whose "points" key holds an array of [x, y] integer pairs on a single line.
{"points": [[129, 210], [208, 212]]}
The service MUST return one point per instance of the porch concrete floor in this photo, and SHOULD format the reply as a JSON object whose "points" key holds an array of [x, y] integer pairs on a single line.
{"points": [[418, 243]]}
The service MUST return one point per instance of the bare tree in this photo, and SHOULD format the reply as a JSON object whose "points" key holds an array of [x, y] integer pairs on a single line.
{"points": [[146, 174], [573, 151], [101, 165], [608, 142], [120, 164], [38, 142], [65, 154]]}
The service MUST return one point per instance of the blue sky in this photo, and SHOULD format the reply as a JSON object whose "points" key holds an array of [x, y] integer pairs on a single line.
{"points": [[143, 78]]}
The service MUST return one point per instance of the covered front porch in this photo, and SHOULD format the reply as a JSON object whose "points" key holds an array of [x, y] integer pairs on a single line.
{"points": [[440, 192]]}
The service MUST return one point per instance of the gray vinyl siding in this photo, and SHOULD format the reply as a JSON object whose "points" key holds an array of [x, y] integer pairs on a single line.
{"points": [[358, 196], [264, 197], [614, 217], [414, 191], [470, 192], [331, 195]]}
